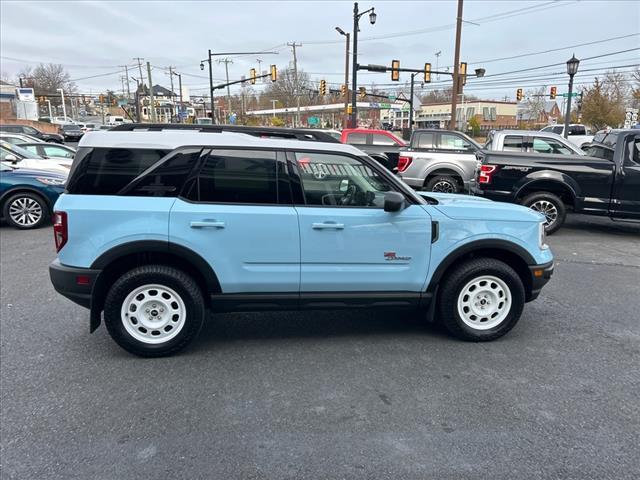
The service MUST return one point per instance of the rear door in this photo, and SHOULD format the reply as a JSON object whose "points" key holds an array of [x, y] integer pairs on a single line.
{"points": [[348, 242], [237, 214]]}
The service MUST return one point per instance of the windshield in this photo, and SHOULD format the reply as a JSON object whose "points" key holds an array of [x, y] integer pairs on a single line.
{"points": [[71, 127]]}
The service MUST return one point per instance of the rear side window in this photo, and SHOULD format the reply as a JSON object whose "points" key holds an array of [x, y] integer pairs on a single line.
{"points": [[238, 176], [425, 140], [380, 139], [513, 143], [106, 171], [165, 179], [357, 138]]}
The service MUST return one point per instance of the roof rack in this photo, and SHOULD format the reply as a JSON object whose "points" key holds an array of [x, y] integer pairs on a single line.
{"points": [[308, 135]]}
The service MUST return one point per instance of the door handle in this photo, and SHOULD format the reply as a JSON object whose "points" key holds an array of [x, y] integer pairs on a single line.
{"points": [[207, 224], [327, 226]]}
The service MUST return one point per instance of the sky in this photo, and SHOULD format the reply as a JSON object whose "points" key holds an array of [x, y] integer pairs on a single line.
{"points": [[93, 40]]}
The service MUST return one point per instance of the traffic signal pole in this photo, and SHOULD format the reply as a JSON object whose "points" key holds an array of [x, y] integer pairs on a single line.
{"points": [[354, 76], [456, 69]]}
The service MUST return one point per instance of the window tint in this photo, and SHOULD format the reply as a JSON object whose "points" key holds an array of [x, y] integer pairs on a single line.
{"points": [[238, 176], [453, 142], [547, 145], [165, 179], [577, 130], [31, 148], [30, 130], [337, 180], [599, 152], [513, 143], [380, 139], [558, 129], [105, 171], [425, 140], [357, 138]]}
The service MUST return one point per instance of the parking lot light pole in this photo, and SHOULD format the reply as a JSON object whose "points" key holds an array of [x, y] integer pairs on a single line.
{"points": [[354, 77], [346, 74], [572, 69]]}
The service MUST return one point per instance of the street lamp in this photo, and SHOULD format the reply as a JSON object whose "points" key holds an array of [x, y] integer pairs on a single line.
{"points": [[572, 69], [354, 77], [346, 74], [64, 109]]}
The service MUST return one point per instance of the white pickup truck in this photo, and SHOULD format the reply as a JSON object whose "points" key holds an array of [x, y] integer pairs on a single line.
{"points": [[578, 134]]}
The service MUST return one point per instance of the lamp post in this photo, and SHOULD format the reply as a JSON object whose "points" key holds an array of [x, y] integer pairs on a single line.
{"points": [[572, 69], [208, 59], [346, 74], [354, 76]]}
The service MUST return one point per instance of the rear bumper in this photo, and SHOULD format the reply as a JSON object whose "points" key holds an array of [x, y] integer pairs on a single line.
{"points": [[74, 283], [540, 276]]}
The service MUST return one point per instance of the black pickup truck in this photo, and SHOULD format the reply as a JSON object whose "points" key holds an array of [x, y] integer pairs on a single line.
{"points": [[551, 183]]}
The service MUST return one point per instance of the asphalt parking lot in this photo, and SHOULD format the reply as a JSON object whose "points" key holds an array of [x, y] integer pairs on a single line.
{"points": [[331, 394]]}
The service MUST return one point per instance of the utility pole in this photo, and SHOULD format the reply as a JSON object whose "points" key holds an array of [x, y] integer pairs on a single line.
{"points": [[180, 87], [293, 45], [273, 104], [226, 62], [411, 103], [438, 53], [139, 60], [456, 69], [173, 95], [136, 100], [259, 60], [126, 74], [151, 104]]}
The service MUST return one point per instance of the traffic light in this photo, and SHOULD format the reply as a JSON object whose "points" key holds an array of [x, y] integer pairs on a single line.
{"points": [[363, 92], [274, 73], [395, 73], [349, 109], [427, 73], [101, 98], [252, 76], [519, 94], [114, 101], [323, 87], [463, 72], [553, 93], [343, 90]]}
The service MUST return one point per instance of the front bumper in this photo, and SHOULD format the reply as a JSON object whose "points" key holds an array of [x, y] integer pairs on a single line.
{"points": [[540, 276], [72, 282]]}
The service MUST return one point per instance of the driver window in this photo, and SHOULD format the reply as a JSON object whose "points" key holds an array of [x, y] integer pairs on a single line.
{"points": [[340, 181]]}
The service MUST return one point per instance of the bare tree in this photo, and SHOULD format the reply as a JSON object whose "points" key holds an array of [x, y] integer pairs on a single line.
{"points": [[534, 104], [46, 79], [635, 88], [284, 90]]}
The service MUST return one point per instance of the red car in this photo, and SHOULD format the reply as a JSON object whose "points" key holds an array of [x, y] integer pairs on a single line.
{"points": [[379, 144]]}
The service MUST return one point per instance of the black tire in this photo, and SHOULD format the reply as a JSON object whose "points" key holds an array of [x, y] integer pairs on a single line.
{"points": [[181, 283], [452, 288], [443, 183], [540, 201], [35, 208]]}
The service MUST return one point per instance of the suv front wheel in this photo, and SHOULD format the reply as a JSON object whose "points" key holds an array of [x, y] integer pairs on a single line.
{"points": [[481, 300], [154, 310]]}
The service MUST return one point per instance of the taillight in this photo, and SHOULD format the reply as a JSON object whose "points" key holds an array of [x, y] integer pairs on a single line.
{"points": [[60, 232], [486, 171], [403, 163]]}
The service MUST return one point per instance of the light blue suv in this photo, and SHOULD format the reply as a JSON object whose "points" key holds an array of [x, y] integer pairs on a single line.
{"points": [[158, 226]]}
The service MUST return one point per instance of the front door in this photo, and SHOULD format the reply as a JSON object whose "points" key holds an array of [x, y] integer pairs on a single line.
{"points": [[348, 242], [238, 216], [626, 197]]}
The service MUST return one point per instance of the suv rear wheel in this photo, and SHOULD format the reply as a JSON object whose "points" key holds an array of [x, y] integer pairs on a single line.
{"points": [[443, 184], [25, 210], [154, 310], [481, 300]]}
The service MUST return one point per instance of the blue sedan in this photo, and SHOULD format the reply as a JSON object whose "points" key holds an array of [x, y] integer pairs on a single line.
{"points": [[27, 196]]}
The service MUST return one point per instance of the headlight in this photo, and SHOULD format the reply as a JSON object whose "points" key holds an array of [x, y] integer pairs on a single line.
{"points": [[51, 181], [542, 237]]}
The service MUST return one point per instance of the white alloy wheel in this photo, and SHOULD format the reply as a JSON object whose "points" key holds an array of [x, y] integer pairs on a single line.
{"points": [[484, 302], [25, 211], [153, 314]]}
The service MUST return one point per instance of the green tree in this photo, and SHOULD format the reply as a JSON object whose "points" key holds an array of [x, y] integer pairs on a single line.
{"points": [[475, 126]]}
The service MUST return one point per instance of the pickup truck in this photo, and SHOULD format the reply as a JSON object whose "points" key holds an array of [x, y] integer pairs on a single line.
{"points": [[551, 184], [438, 161], [381, 145], [578, 134], [530, 141]]}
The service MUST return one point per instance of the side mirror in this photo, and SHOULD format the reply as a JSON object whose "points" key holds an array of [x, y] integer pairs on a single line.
{"points": [[393, 202], [344, 185], [11, 158]]}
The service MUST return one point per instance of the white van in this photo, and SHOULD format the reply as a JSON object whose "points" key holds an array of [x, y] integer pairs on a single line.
{"points": [[114, 120]]}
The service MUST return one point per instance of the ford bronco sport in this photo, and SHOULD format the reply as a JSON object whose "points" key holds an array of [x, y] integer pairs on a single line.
{"points": [[159, 226]]}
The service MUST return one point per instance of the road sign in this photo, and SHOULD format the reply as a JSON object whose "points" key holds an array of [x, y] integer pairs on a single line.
{"points": [[392, 98], [573, 94], [313, 120], [630, 117]]}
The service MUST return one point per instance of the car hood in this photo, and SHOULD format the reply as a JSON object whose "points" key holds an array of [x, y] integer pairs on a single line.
{"points": [[468, 207], [32, 172]]}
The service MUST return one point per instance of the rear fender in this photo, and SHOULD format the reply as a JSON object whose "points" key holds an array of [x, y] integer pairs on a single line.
{"points": [[560, 179]]}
